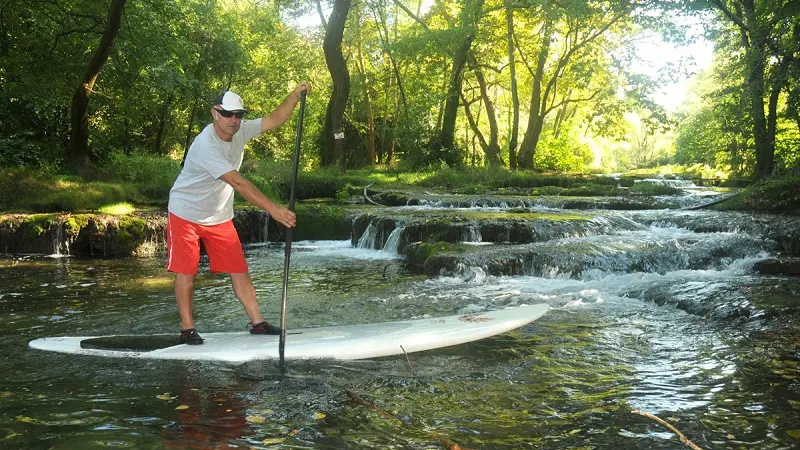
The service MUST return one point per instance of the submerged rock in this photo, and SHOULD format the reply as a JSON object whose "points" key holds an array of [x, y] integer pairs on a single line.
{"points": [[782, 266]]}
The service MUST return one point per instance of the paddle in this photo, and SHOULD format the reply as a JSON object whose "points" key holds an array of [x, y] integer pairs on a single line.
{"points": [[289, 231]]}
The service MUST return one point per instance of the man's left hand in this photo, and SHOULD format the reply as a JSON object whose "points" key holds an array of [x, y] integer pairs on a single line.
{"points": [[284, 216]]}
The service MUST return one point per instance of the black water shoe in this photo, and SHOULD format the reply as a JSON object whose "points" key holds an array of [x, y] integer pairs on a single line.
{"points": [[190, 337], [264, 328]]}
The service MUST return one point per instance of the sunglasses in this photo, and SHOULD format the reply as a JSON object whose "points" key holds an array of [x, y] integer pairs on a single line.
{"points": [[229, 114]]}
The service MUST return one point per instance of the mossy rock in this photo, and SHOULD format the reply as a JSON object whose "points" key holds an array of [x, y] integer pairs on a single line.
{"points": [[782, 266], [433, 258], [392, 198], [29, 233], [315, 221], [321, 222], [111, 236]]}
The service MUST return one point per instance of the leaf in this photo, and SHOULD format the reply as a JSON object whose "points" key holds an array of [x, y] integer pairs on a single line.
{"points": [[165, 396], [794, 433], [182, 407], [293, 433], [26, 419], [272, 441], [255, 418], [319, 415], [730, 436], [11, 435]]}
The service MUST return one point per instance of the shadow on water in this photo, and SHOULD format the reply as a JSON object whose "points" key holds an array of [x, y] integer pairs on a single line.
{"points": [[700, 341]]}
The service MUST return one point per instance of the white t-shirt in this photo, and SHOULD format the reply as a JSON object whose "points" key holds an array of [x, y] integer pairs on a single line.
{"points": [[198, 194]]}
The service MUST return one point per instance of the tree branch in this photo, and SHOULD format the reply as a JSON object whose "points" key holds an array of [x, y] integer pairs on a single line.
{"points": [[730, 15], [321, 16], [412, 15]]}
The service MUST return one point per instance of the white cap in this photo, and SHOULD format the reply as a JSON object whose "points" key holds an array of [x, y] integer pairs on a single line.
{"points": [[230, 101]]}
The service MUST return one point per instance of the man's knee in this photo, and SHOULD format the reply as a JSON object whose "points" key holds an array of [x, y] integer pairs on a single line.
{"points": [[184, 280]]}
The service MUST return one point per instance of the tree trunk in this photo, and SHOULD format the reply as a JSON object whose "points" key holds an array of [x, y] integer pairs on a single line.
{"points": [[79, 141], [371, 153], [512, 143], [765, 147], [333, 150], [536, 117], [469, 18], [163, 118], [492, 148], [447, 134]]}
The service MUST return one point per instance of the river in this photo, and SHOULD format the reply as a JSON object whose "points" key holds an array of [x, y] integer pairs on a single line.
{"points": [[658, 316]]}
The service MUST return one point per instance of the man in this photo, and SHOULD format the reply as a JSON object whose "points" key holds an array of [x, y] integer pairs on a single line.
{"points": [[201, 207]]}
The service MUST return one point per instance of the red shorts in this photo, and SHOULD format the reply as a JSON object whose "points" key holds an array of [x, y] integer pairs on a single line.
{"points": [[220, 241]]}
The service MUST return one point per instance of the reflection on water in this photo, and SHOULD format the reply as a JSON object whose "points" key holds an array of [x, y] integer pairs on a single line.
{"points": [[714, 350]]}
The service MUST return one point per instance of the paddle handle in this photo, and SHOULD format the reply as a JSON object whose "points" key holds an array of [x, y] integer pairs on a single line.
{"points": [[290, 231]]}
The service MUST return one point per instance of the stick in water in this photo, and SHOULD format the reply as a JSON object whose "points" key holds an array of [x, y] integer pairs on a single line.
{"points": [[669, 426]]}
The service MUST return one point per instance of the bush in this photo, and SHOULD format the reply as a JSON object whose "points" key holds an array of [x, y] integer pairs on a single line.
{"points": [[25, 151], [153, 174]]}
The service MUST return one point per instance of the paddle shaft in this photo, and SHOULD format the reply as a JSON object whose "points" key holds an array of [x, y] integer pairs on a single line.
{"points": [[289, 231]]}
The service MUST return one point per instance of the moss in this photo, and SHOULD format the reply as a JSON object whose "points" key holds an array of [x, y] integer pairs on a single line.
{"points": [[431, 257], [319, 221], [36, 226], [73, 224], [653, 189], [781, 196]]}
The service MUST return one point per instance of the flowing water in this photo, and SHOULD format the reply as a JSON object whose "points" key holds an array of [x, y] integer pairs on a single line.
{"points": [[652, 317]]}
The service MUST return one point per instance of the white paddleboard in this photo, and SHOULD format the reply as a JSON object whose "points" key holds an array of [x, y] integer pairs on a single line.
{"points": [[338, 342]]}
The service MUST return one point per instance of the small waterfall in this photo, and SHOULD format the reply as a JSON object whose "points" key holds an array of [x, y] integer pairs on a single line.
{"points": [[367, 240], [676, 183], [472, 234], [393, 241], [264, 235], [60, 243]]}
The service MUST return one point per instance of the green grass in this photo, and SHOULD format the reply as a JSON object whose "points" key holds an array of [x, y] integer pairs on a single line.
{"points": [[135, 181], [117, 209], [779, 196]]}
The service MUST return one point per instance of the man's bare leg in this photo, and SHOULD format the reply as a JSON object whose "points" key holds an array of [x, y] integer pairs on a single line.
{"points": [[246, 293], [184, 295]]}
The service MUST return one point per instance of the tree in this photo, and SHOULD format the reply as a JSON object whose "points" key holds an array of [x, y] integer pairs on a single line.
{"points": [[79, 141], [333, 136], [581, 28], [770, 36], [512, 141]]}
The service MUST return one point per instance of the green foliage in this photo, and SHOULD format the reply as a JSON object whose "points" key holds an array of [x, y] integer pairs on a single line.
{"points": [[154, 175], [172, 58], [24, 150], [562, 154], [346, 192]]}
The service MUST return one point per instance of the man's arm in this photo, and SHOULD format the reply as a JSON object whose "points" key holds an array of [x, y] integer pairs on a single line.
{"points": [[251, 193], [284, 111]]}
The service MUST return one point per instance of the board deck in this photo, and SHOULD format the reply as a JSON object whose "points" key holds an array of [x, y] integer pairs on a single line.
{"points": [[337, 342]]}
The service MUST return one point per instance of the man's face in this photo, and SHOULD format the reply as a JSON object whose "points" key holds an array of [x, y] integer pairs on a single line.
{"points": [[228, 122]]}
